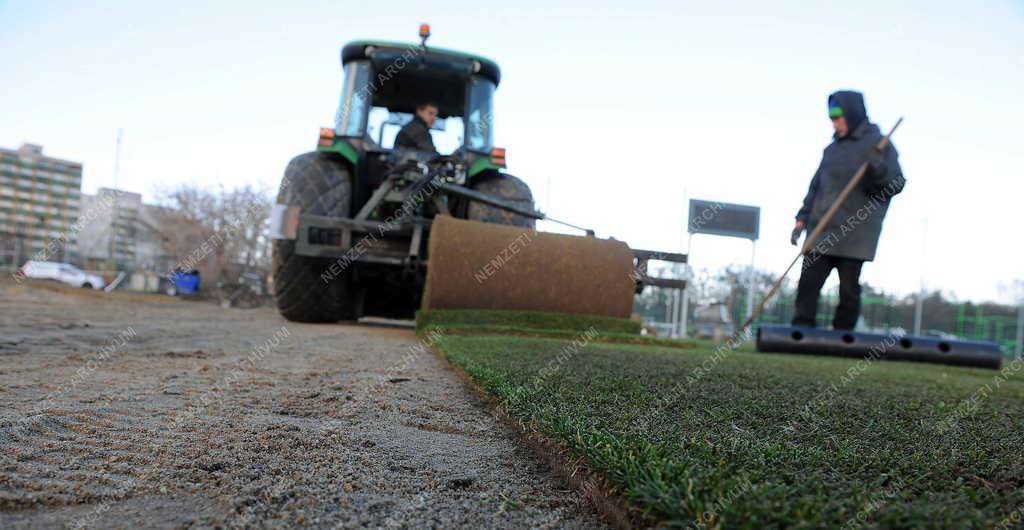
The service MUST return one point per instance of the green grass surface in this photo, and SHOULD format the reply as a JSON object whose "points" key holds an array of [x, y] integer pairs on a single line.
{"points": [[535, 324], [589, 335], [746, 440]]}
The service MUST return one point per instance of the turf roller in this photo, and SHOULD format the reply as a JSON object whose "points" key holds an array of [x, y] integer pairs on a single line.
{"points": [[841, 343], [476, 265]]}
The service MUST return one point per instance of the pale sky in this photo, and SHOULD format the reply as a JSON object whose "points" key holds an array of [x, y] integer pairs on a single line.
{"points": [[614, 113]]}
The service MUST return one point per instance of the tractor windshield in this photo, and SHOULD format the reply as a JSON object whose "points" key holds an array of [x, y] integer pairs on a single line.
{"points": [[378, 99], [383, 126]]}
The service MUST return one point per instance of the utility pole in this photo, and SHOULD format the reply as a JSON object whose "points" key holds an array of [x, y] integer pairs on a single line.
{"points": [[684, 310], [111, 261]]}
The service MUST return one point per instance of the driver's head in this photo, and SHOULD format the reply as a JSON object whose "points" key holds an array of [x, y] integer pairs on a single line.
{"points": [[427, 111]]}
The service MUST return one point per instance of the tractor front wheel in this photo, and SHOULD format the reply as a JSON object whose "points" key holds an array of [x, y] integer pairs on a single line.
{"points": [[306, 288]]}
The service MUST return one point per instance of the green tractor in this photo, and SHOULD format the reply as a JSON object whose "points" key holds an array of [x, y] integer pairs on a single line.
{"points": [[353, 218]]}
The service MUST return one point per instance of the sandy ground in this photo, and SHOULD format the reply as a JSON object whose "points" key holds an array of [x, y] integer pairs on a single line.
{"points": [[140, 411]]}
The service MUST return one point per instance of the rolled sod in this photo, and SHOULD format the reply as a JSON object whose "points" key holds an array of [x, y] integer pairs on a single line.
{"points": [[475, 265]]}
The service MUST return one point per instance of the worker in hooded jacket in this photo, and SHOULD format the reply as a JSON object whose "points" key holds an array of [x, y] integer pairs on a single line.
{"points": [[851, 237]]}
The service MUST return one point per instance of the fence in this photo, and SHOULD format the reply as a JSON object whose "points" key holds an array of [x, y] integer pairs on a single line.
{"points": [[882, 313]]}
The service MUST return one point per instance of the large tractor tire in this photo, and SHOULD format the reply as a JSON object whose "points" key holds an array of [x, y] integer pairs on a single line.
{"points": [[509, 188], [304, 287]]}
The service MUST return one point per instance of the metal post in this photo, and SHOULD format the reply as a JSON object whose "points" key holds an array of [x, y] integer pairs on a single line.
{"points": [[668, 310], [686, 292], [672, 312], [1020, 331], [919, 304], [918, 309], [685, 313], [678, 324], [750, 279]]}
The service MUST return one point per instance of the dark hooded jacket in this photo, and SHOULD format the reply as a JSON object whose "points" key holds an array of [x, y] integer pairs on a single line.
{"points": [[854, 230], [415, 135]]}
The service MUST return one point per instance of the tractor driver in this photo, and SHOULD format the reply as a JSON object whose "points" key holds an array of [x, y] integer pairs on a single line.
{"points": [[416, 133]]}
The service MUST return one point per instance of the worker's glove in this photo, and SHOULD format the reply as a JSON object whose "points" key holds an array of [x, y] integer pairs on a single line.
{"points": [[876, 162], [797, 230]]}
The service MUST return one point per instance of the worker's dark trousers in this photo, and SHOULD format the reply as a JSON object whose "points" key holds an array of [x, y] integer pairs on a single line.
{"points": [[816, 269]]}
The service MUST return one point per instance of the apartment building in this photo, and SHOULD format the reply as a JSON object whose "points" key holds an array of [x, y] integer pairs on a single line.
{"points": [[119, 231], [40, 199]]}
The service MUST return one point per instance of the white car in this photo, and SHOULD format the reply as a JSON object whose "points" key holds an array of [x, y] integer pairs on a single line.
{"points": [[62, 272]]}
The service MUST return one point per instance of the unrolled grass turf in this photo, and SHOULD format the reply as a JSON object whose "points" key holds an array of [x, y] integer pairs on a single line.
{"points": [[588, 328], [453, 318], [743, 440]]}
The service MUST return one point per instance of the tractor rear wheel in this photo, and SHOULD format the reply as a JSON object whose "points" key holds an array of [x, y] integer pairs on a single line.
{"points": [[306, 288], [509, 188]]}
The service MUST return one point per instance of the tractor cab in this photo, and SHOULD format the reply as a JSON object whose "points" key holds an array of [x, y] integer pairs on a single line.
{"points": [[385, 81]]}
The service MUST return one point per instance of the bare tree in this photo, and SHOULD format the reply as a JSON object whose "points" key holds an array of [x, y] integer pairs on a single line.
{"points": [[222, 233]]}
